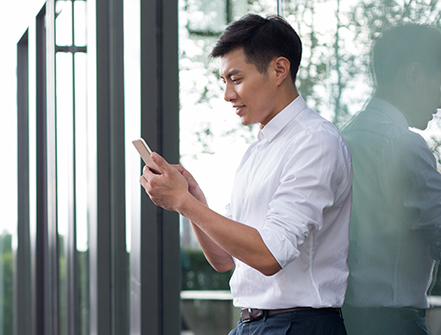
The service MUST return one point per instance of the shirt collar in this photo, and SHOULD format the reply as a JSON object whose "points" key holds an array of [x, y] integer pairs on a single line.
{"points": [[278, 122], [391, 111]]}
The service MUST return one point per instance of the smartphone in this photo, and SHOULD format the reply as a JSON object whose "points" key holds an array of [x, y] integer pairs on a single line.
{"points": [[145, 153]]}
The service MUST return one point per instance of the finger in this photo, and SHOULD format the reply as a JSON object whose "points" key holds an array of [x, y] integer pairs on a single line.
{"points": [[160, 162], [179, 167], [144, 182], [147, 173]]}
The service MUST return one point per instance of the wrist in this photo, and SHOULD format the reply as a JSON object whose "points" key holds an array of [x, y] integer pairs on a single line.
{"points": [[187, 205]]}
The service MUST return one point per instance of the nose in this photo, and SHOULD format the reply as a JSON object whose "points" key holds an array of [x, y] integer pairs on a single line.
{"points": [[230, 93]]}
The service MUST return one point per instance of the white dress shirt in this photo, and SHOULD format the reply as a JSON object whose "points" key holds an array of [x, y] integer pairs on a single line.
{"points": [[396, 213], [294, 186]]}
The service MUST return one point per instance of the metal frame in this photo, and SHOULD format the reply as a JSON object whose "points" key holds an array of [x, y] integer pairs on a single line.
{"points": [[22, 277], [155, 257], [155, 244], [51, 270], [108, 255]]}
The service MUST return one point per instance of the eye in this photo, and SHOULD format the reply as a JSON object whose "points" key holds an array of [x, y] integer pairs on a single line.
{"points": [[235, 80]]}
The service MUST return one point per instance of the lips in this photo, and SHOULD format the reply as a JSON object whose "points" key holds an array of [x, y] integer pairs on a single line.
{"points": [[239, 109]]}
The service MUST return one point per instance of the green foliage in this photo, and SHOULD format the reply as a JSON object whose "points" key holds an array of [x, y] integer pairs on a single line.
{"points": [[7, 264], [197, 273]]}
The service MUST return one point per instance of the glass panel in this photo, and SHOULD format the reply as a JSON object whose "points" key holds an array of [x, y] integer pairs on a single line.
{"points": [[132, 93], [390, 255], [82, 224], [63, 23], [334, 79], [80, 13], [206, 16], [132, 112], [65, 172], [207, 134], [9, 181]]}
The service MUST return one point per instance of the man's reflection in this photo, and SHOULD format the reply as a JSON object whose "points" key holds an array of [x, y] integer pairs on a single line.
{"points": [[396, 215]]}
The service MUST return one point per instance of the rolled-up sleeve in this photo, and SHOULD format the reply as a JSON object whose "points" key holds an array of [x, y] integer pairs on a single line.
{"points": [[315, 181]]}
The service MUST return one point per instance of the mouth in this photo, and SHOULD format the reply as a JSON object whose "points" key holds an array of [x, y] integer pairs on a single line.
{"points": [[239, 109]]}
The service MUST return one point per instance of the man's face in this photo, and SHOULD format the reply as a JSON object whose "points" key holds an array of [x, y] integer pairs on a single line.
{"points": [[428, 98], [251, 93]]}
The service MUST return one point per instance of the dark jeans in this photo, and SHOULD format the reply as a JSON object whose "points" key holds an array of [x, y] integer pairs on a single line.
{"points": [[385, 321], [318, 322]]}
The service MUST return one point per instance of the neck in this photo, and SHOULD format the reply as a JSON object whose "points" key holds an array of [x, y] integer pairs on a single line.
{"points": [[284, 99], [398, 100]]}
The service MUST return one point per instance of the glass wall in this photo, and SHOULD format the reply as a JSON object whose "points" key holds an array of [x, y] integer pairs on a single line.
{"points": [[334, 79]]}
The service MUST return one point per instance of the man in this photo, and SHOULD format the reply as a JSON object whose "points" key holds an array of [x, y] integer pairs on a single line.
{"points": [[396, 213], [286, 233]]}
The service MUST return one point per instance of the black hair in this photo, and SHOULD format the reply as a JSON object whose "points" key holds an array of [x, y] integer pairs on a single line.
{"points": [[262, 39], [402, 45]]}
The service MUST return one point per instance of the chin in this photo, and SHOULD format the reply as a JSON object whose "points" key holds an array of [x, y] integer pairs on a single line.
{"points": [[245, 122]]}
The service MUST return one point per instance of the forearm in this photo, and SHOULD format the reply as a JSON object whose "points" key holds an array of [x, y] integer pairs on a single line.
{"points": [[231, 237], [219, 259], [176, 190]]}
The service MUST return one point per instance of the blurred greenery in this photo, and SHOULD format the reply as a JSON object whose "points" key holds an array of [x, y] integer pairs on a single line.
{"points": [[7, 303], [197, 273], [7, 289]]}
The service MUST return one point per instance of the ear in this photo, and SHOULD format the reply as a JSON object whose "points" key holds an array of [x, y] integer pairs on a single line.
{"points": [[414, 76], [282, 68]]}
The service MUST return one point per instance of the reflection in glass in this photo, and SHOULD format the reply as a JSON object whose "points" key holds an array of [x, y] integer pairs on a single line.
{"points": [[395, 227]]}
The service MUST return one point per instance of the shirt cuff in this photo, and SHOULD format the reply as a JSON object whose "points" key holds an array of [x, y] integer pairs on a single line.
{"points": [[279, 246]]}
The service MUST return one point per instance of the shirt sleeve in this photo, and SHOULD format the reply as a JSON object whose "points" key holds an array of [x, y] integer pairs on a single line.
{"points": [[317, 175], [422, 196]]}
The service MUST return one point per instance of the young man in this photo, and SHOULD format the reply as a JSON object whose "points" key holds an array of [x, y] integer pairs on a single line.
{"points": [[396, 215], [286, 231]]}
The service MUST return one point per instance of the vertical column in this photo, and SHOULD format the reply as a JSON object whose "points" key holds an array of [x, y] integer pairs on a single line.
{"points": [[155, 245], [22, 279], [41, 153], [146, 246], [51, 272], [100, 231], [120, 312], [171, 257], [70, 242], [108, 256]]}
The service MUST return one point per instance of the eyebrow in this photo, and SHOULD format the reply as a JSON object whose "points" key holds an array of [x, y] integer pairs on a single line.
{"points": [[232, 73]]}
